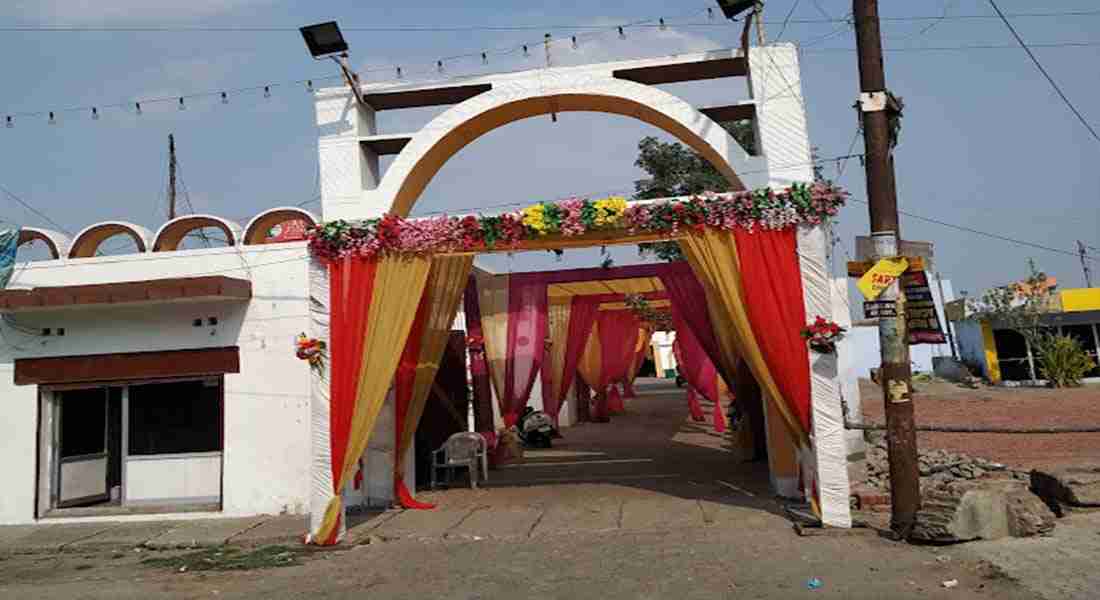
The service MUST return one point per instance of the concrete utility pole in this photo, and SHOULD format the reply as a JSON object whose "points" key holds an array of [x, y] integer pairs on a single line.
{"points": [[1083, 253], [171, 177], [877, 107]]}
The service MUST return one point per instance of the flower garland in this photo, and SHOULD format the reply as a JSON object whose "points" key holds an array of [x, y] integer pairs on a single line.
{"points": [[800, 204], [312, 350], [661, 320]]}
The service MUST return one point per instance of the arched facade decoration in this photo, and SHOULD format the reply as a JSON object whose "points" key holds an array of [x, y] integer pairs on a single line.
{"points": [[258, 228], [56, 242], [171, 234], [87, 242], [451, 131]]}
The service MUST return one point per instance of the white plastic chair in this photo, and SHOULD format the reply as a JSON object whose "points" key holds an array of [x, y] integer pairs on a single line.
{"points": [[463, 449]]}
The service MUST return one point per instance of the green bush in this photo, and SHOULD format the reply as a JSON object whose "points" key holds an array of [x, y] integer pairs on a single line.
{"points": [[1062, 361]]}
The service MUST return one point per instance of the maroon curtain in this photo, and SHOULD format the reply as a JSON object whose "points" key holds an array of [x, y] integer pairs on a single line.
{"points": [[527, 305], [774, 303], [479, 366], [689, 303], [582, 315], [694, 364], [618, 335]]}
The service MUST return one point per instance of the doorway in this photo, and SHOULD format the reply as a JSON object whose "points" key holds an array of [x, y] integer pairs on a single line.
{"points": [[89, 446]]}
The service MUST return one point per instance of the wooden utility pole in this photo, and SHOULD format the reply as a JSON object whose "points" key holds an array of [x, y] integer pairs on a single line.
{"points": [[877, 108], [758, 13], [171, 177]]}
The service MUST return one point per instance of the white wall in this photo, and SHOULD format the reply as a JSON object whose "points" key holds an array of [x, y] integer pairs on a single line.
{"points": [[266, 404], [171, 479], [971, 344]]}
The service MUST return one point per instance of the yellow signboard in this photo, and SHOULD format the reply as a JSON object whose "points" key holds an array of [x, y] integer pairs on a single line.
{"points": [[881, 276]]}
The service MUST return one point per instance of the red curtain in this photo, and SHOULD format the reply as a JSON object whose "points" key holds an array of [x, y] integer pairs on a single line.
{"points": [[350, 290], [618, 336], [582, 315], [404, 380], [527, 304], [701, 375], [689, 307], [774, 303]]}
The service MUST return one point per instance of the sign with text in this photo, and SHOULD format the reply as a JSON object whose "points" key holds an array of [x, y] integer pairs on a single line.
{"points": [[880, 276], [920, 310], [878, 309]]}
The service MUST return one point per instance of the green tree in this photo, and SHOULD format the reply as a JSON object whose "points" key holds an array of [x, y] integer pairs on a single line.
{"points": [[676, 170]]}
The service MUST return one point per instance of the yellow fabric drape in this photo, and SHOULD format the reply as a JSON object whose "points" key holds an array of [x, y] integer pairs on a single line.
{"points": [[493, 294], [645, 332], [713, 257], [389, 320], [591, 363], [558, 317], [446, 283]]}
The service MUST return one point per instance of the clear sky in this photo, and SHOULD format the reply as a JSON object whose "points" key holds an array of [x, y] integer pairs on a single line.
{"points": [[986, 143]]}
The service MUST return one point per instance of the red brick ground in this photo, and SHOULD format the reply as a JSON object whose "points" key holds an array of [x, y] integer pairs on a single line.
{"points": [[943, 403]]}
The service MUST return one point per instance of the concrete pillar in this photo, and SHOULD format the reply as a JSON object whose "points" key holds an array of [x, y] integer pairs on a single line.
{"points": [[347, 168]]}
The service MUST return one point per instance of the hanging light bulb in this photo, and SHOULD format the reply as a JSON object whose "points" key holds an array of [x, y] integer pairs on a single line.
{"points": [[8, 122], [267, 91], [661, 24], [525, 52], [400, 75], [574, 38], [484, 58], [182, 106], [95, 114], [53, 120], [439, 66], [622, 34], [710, 13], [309, 85], [137, 108]]}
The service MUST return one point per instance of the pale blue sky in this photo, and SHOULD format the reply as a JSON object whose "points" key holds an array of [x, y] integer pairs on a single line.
{"points": [[986, 143]]}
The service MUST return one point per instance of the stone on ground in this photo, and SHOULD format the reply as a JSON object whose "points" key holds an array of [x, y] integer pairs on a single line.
{"points": [[981, 510], [1071, 486]]}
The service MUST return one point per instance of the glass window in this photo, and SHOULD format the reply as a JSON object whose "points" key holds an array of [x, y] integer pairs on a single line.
{"points": [[175, 418], [83, 422]]}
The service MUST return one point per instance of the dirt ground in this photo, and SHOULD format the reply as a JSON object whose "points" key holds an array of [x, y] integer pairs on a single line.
{"points": [[945, 403], [648, 506]]}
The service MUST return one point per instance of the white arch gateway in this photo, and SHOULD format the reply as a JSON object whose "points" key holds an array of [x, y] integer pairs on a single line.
{"points": [[354, 187]]}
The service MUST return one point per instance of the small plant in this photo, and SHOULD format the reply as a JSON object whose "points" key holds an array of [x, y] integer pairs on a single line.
{"points": [[822, 335], [1062, 361]]}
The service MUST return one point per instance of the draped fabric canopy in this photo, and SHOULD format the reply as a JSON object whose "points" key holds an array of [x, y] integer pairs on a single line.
{"points": [[371, 316], [582, 316], [527, 328], [553, 394], [423, 351]]}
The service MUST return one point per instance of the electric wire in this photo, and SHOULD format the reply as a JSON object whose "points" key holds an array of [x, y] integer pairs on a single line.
{"points": [[1043, 70]]}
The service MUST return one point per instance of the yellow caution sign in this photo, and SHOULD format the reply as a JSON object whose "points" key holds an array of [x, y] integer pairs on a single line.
{"points": [[880, 276]]}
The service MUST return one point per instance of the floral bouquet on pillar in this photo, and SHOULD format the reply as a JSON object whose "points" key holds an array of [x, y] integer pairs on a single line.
{"points": [[312, 350], [822, 335]]}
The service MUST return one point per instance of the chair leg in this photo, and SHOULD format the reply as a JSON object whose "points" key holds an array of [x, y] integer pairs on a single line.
{"points": [[473, 475], [485, 466]]}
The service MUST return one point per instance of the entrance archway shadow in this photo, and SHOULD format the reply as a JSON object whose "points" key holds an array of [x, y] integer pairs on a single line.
{"points": [[651, 452]]}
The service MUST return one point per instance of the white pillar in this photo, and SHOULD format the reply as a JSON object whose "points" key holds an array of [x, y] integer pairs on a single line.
{"points": [[347, 168]]}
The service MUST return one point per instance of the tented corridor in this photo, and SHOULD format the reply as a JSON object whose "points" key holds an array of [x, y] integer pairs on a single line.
{"points": [[650, 466]]}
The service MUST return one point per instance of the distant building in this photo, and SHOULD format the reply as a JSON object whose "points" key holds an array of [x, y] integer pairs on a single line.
{"points": [[1001, 354]]}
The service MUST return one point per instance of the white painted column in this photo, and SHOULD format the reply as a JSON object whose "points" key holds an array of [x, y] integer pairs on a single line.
{"points": [[347, 168]]}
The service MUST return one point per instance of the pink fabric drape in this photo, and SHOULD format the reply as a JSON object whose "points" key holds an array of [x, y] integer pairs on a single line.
{"points": [[479, 366], [694, 408], [527, 304], [582, 315], [694, 364], [689, 306], [618, 337]]}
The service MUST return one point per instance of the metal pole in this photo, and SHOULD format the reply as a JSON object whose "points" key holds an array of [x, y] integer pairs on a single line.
{"points": [[758, 12], [171, 177], [893, 336]]}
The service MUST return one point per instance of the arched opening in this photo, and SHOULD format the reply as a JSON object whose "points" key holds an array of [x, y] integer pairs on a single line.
{"points": [[284, 224], [196, 231], [40, 244], [90, 241], [664, 111]]}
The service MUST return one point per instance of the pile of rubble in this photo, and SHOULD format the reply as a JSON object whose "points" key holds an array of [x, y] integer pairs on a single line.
{"points": [[937, 467]]}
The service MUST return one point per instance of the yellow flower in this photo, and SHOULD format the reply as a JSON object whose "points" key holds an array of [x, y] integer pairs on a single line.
{"points": [[609, 211], [534, 217]]}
